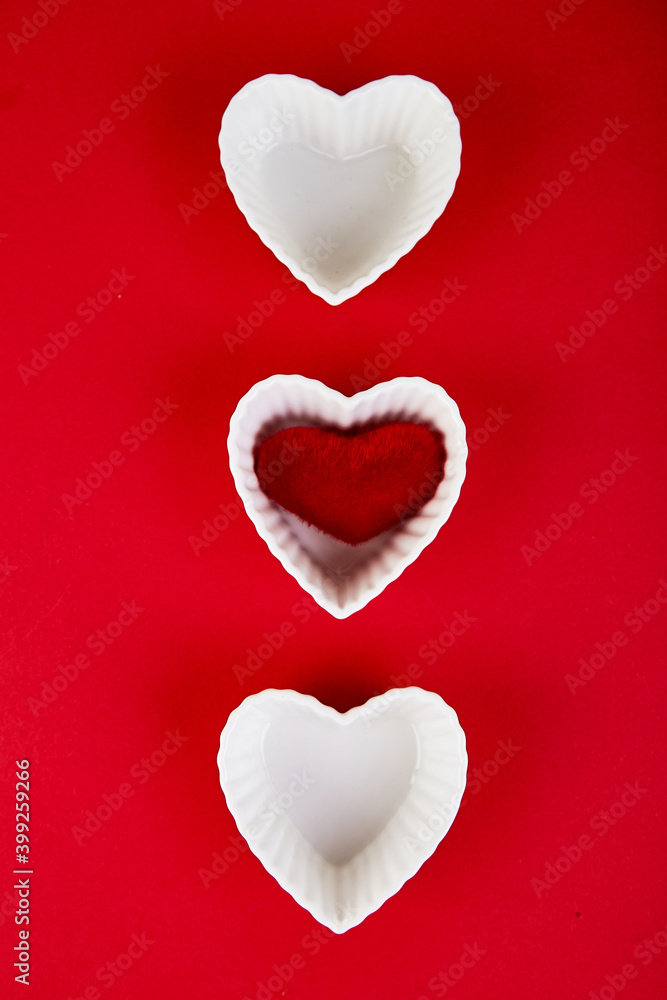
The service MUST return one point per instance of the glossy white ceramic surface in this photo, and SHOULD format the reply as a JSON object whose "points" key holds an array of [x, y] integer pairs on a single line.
{"points": [[340, 187], [343, 578], [342, 809]]}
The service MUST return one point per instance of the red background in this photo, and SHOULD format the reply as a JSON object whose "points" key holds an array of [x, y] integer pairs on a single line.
{"points": [[66, 573]]}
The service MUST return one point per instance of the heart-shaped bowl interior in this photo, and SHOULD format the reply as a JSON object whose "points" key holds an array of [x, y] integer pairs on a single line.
{"points": [[340, 187], [343, 808], [343, 577]]}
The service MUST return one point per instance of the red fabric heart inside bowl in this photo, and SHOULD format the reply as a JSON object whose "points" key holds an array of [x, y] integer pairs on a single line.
{"points": [[352, 484]]}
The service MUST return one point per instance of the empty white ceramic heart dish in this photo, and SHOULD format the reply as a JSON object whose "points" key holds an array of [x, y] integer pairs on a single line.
{"points": [[343, 577], [340, 187], [342, 809]]}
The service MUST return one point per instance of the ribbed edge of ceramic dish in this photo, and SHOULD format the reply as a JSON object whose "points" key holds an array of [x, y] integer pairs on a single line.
{"points": [[390, 110], [341, 896], [289, 399]]}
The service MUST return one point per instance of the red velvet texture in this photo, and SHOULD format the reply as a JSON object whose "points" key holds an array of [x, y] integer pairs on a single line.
{"points": [[352, 484]]}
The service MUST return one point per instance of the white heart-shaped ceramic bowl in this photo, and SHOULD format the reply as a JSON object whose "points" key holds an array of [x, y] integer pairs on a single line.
{"points": [[340, 188], [343, 578], [342, 809]]}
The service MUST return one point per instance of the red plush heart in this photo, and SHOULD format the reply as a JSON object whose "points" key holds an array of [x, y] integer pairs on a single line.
{"points": [[352, 484]]}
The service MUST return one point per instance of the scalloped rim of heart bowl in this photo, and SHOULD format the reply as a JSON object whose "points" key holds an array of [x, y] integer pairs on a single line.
{"points": [[341, 896], [343, 578], [416, 107]]}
